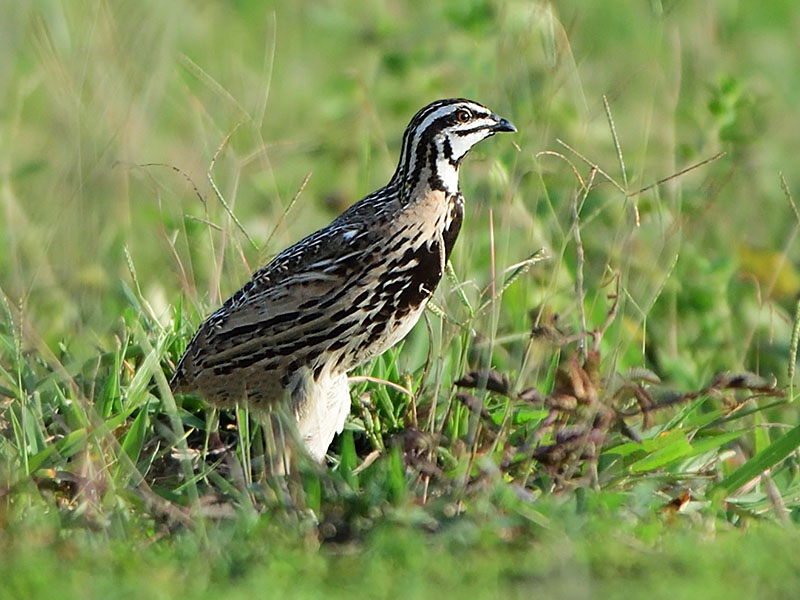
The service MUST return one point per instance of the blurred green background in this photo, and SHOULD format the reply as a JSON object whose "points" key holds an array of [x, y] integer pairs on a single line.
{"points": [[93, 92], [111, 115]]}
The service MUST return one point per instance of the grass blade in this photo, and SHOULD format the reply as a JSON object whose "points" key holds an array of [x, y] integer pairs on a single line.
{"points": [[766, 459]]}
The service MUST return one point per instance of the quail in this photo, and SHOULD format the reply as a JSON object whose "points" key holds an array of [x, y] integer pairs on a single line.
{"points": [[346, 293]]}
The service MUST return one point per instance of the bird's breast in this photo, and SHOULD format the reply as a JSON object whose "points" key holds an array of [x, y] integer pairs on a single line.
{"points": [[424, 237], [414, 254]]}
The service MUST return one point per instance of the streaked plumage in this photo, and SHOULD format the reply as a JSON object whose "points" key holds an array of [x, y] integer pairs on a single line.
{"points": [[345, 293]]}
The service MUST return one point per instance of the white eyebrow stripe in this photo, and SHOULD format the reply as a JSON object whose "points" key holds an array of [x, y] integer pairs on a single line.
{"points": [[439, 112], [477, 110]]}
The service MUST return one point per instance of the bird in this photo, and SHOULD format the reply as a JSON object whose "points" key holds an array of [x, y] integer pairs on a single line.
{"points": [[345, 293]]}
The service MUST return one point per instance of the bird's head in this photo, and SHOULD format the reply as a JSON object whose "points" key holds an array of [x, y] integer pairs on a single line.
{"points": [[439, 137]]}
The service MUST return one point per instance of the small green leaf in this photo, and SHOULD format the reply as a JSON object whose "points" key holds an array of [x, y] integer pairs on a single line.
{"points": [[679, 448], [133, 442], [760, 433], [65, 447], [709, 443], [349, 459], [396, 477], [526, 415]]}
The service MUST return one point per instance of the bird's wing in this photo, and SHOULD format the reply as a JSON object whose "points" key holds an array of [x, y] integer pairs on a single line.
{"points": [[297, 305]]}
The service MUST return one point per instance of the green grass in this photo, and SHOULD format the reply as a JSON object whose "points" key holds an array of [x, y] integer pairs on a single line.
{"points": [[466, 560], [654, 457]]}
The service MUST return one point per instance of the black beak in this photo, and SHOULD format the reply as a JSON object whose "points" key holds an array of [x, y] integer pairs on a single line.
{"points": [[502, 124]]}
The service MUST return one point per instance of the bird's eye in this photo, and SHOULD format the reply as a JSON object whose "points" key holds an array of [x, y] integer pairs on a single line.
{"points": [[463, 115]]}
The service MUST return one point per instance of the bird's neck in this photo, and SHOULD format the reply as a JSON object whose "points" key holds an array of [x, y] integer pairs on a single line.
{"points": [[424, 169]]}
